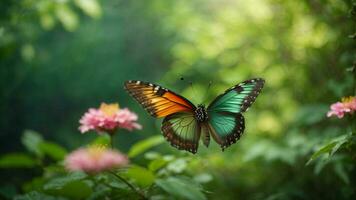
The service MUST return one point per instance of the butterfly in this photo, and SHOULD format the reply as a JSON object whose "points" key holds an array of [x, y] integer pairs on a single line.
{"points": [[184, 123]]}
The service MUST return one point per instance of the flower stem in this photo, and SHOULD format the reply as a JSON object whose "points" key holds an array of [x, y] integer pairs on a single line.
{"points": [[129, 184]]}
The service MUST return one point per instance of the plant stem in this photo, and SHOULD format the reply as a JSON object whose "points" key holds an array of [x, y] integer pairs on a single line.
{"points": [[129, 184]]}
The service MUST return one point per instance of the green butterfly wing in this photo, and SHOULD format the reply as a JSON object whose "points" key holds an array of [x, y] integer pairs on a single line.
{"points": [[226, 128], [182, 131], [238, 98], [226, 122]]}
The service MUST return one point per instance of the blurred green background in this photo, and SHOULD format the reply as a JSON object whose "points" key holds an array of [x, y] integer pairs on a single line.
{"points": [[59, 58]]}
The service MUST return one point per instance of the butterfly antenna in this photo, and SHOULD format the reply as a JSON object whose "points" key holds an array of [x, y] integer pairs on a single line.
{"points": [[193, 90], [206, 91]]}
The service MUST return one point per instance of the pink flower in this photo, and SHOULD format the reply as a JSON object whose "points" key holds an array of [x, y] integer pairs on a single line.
{"points": [[108, 118], [94, 159], [339, 109]]}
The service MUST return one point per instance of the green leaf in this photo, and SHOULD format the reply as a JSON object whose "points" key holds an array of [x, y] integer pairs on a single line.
{"points": [[47, 21], [329, 148], [34, 195], [325, 149], [53, 150], [319, 166], [59, 183], [101, 191], [181, 188], [157, 164], [118, 185], [151, 155], [144, 145], [14, 160], [90, 7], [177, 166], [54, 170], [141, 176], [341, 172], [78, 189], [67, 17], [35, 184], [203, 178], [338, 145], [72, 186], [31, 140]]}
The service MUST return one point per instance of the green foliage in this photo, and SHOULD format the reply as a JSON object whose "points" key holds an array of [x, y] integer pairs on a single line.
{"points": [[73, 190], [60, 182], [67, 17], [69, 185], [31, 140], [144, 145], [159, 173], [53, 150], [14, 160], [181, 188], [37, 195], [141, 176], [35, 144], [59, 58], [157, 164], [331, 147], [90, 7]]}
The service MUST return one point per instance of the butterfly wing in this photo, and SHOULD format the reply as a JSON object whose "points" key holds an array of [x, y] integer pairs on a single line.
{"points": [[238, 98], [226, 128], [179, 126], [182, 131], [158, 101], [225, 119]]}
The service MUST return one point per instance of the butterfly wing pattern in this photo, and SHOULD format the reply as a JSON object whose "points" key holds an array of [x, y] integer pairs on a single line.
{"points": [[181, 125], [157, 100], [224, 112], [182, 131]]}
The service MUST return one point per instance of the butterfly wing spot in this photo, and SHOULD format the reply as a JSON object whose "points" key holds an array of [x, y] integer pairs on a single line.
{"points": [[160, 92]]}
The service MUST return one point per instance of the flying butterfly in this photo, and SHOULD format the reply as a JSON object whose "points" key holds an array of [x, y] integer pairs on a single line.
{"points": [[184, 123]]}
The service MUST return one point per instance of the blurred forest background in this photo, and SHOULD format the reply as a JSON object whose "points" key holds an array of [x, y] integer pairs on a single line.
{"points": [[59, 58]]}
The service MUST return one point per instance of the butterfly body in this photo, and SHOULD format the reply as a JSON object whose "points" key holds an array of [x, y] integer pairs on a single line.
{"points": [[201, 114], [184, 124]]}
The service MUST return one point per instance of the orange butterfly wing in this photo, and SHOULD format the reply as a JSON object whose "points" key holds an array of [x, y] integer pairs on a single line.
{"points": [[158, 101]]}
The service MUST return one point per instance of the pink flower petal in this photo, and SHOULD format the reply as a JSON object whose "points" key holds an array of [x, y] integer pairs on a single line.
{"points": [[94, 159], [339, 109], [97, 120]]}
